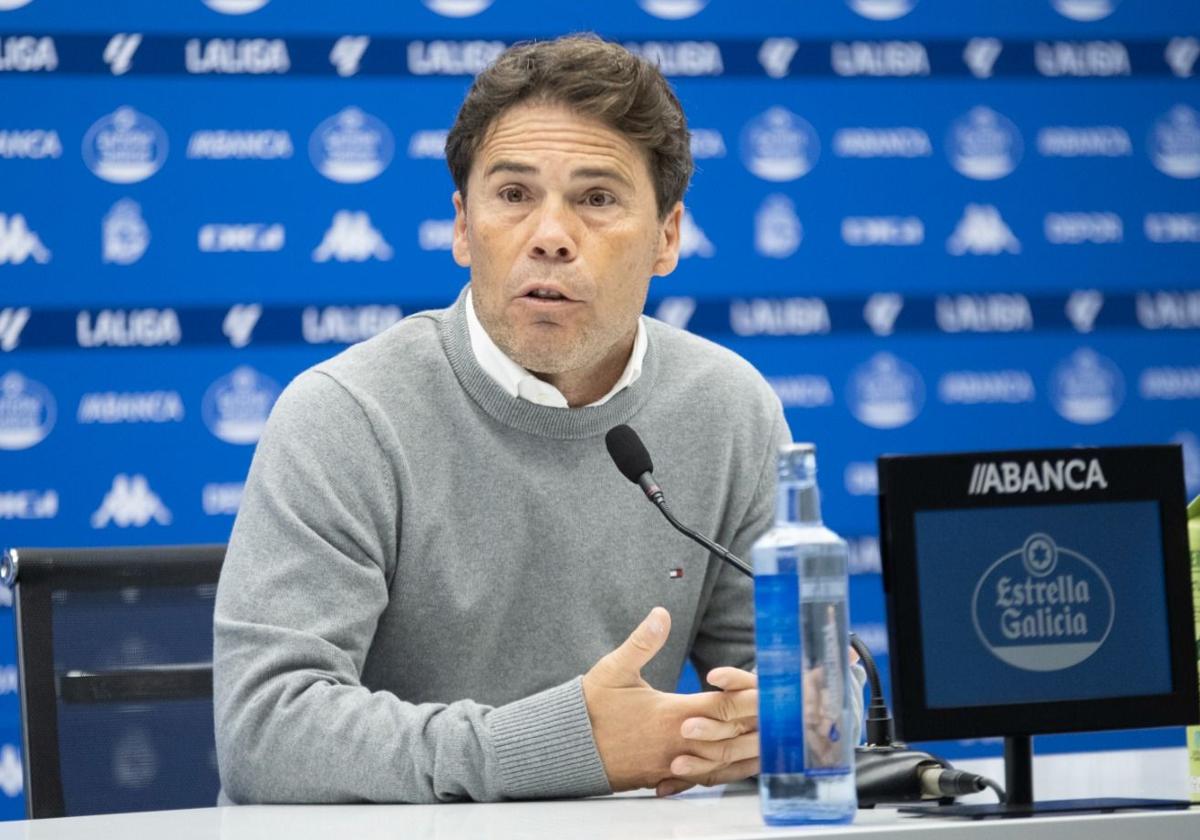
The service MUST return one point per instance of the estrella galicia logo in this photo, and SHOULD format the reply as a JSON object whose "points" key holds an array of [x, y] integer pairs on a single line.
{"points": [[351, 147], [457, 8], [1043, 607], [1086, 388], [778, 145], [885, 392], [984, 145], [882, 9], [125, 147], [1175, 143], [672, 9], [1085, 10], [27, 411], [235, 7], [236, 406]]}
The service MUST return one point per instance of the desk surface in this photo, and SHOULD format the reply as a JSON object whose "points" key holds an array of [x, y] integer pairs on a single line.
{"points": [[733, 816]]}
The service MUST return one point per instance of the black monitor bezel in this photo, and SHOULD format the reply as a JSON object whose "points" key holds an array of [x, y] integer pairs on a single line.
{"points": [[909, 484]]}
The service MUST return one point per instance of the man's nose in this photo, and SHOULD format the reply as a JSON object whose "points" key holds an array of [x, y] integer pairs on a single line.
{"points": [[553, 238]]}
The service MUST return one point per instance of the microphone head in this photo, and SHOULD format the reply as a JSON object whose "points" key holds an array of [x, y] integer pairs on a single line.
{"points": [[628, 452]]}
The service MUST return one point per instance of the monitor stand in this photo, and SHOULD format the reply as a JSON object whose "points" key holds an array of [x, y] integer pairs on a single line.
{"points": [[1018, 784]]}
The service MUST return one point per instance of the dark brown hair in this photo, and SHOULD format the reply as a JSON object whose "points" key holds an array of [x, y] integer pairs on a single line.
{"points": [[594, 78]]}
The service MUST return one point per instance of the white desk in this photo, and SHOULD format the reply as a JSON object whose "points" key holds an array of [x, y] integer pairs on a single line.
{"points": [[730, 817]]}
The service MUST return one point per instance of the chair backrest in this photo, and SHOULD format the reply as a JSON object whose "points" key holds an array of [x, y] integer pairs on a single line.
{"points": [[114, 650]]}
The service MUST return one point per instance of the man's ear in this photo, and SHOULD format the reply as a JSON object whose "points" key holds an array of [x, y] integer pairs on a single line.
{"points": [[461, 247], [668, 242]]}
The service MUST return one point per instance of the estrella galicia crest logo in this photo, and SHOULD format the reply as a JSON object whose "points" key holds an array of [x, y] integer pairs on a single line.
{"points": [[1085, 10], [1043, 607], [351, 147], [885, 392], [235, 7], [236, 406], [1086, 388], [457, 8], [984, 145], [778, 145], [27, 411], [673, 9], [125, 147], [1175, 143], [882, 9], [124, 233]]}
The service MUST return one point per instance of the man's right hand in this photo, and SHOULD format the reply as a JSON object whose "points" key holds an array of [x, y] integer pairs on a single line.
{"points": [[637, 728]]}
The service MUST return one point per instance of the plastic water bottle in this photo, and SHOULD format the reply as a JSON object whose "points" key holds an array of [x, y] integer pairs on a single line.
{"points": [[801, 632]]}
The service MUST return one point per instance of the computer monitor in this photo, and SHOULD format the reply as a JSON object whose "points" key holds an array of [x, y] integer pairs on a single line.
{"points": [[1037, 591]]}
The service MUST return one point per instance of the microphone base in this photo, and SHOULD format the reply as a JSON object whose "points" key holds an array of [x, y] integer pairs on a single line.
{"points": [[1047, 808], [891, 775]]}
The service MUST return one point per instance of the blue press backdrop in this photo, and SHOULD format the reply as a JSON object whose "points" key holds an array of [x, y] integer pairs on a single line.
{"points": [[933, 224]]}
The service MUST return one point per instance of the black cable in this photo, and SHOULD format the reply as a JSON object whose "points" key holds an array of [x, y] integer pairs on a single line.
{"points": [[880, 729], [1000, 794]]}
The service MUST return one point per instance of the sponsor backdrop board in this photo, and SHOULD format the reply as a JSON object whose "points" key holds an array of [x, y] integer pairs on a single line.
{"points": [[934, 225]]}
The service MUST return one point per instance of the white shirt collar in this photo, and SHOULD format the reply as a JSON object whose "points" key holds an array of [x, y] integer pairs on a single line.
{"points": [[522, 384]]}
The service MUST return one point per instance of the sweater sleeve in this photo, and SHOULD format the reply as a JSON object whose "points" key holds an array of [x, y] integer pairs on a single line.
{"points": [[305, 580], [726, 634]]}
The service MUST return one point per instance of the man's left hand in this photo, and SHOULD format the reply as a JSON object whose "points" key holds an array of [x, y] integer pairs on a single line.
{"points": [[722, 749]]}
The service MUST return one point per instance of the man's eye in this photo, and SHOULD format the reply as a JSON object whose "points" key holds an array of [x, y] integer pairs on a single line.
{"points": [[513, 195], [600, 199]]}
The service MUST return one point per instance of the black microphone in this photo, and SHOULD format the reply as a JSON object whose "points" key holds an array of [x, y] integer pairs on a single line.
{"points": [[632, 459]]}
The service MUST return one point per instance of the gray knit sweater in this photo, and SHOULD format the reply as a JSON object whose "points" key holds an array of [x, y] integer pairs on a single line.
{"points": [[423, 566]]}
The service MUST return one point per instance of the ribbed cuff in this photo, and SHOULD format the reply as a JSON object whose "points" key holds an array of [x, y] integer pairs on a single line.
{"points": [[545, 746]]}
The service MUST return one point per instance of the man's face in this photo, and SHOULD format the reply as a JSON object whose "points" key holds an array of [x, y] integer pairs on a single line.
{"points": [[561, 233]]}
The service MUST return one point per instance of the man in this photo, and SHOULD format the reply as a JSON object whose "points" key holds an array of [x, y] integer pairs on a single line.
{"points": [[433, 545]]}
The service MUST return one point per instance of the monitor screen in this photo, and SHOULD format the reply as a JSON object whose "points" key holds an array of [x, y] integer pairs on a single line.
{"points": [[1030, 604]]}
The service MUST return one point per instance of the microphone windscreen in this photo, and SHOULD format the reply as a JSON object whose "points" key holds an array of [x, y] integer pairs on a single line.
{"points": [[628, 452]]}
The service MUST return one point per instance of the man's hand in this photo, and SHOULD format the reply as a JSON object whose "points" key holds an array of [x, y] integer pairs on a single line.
{"points": [[639, 731]]}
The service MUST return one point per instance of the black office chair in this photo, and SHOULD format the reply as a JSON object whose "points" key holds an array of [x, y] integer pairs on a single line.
{"points": [[114, 649]]}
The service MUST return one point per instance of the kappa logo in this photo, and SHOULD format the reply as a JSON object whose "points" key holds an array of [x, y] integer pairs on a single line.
{"points": [[130, 502], [673, 9], [777, 229], [1086, 388], [12, 323], [778, 145], [18, 243], [27, 411], [347, 53], [1016, 477], [982, 230], [352, 238], [881, 312], [980, 56], [882, 9], [118, 55], [1085, 10], [235, 7], [776, 54], [1083, 308], [692, 240], [1175, 143], [676, 311], [12, 778], [984, 145], [1181, 55], [457, 8], [239, 323], [124, 233], [236, 406]]}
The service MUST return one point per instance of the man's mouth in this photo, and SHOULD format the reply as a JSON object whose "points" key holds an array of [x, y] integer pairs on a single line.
{"points": [[546, 294]]}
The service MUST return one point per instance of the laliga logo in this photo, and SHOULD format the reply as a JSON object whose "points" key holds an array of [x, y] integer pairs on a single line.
{"points": [[237, 405], [457, 8], [885, 392], [882, 9], [27, 411], [125, 147], [1085, 10], [235, 7], [1043, 607], [1087, 388], [673, 9], [351, 147], [1175, 143], [779, 146], [984, 145]]}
